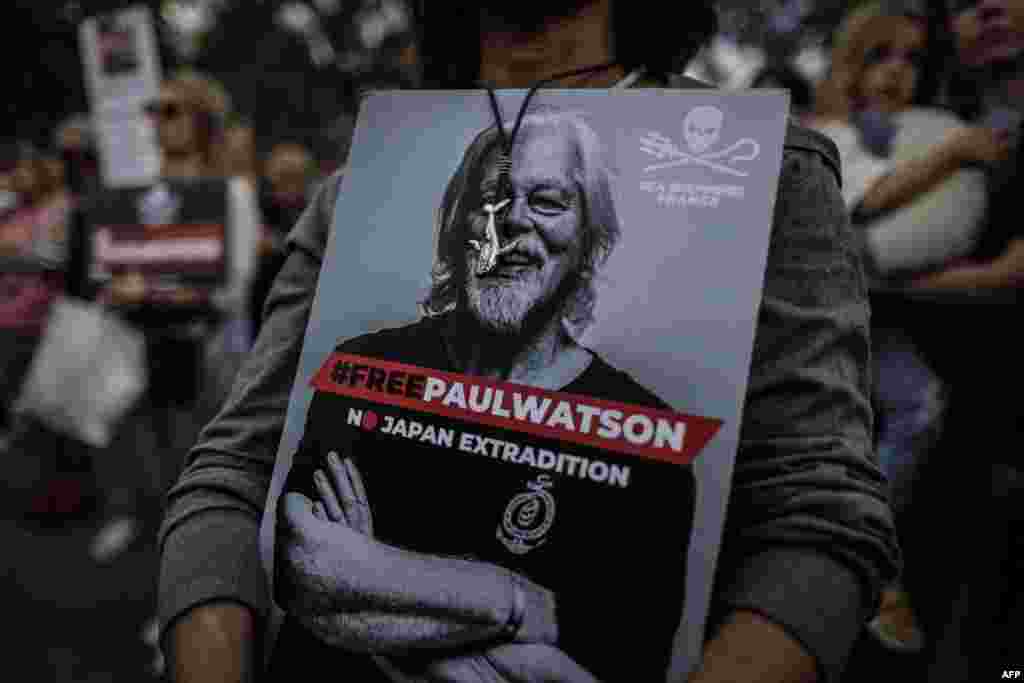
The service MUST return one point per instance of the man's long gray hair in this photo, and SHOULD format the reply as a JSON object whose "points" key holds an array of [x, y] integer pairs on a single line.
{"points": [[600, 223]]}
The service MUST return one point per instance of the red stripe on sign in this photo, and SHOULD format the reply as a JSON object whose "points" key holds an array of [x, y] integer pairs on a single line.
{"points": [[159, 231], [186, 269], [111, 252], [663, 435]]}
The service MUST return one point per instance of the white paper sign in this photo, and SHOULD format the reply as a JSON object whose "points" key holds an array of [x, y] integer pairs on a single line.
{"points": [[122, 73]]}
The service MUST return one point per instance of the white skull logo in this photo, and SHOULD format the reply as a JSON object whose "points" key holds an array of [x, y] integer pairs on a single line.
{"points": [[702, 127]]}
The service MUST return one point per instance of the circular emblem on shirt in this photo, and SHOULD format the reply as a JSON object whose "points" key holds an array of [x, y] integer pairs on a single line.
{"points": [[528, 517]]}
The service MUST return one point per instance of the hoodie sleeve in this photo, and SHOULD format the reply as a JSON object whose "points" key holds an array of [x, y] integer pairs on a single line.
{"points": [[809, 538], [209, 539]]}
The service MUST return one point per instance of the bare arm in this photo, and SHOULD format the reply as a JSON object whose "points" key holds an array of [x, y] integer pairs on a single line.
{"points": [[917, 176], [749, 647], [1005, 271], [214, 642]]}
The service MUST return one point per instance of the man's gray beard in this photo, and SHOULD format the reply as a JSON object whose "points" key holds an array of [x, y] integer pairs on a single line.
{"points": [[501, 307]]}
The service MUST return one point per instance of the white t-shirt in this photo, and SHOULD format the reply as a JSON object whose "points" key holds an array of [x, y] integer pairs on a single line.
{"points": [[860, 167], [938, 226]]}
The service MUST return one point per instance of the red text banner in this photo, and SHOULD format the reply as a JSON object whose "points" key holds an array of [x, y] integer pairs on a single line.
{"points": [[663, 435]]}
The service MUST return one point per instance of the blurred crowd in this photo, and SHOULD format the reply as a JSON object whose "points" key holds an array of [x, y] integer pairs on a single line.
{"points": [[924, 102]]}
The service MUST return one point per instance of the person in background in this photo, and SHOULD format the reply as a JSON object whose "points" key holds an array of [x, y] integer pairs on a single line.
{"points": [[910, 183], [880, 61], [9, 202], [990, 41], [976, 342], [8, 162], [76, 144], [240, 151], [195, 347], [57, 200], [289, 176], [33, 258], [809, 539], [21, 179], [42, 207]]}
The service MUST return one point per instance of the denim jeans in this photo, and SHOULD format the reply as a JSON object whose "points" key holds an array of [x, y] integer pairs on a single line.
{"points": [[911, 401]]}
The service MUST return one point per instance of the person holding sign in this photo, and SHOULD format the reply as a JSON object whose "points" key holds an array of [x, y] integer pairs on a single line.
{"points": [[809, 538], [33, 257]]}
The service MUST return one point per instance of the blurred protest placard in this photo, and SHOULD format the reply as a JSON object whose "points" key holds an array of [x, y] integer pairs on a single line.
{"points": [[122, 74]]}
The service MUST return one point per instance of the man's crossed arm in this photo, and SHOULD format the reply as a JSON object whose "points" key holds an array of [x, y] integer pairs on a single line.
{"points": [[359, 594]]}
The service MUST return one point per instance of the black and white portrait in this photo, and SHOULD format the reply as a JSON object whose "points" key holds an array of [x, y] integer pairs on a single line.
{"points": [[511, 336], [520, 240]]}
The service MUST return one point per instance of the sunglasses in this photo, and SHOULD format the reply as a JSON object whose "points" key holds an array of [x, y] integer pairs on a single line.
{"points": [[164, 109]]}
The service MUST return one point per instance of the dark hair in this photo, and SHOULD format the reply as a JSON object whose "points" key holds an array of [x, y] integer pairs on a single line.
{"points": [[601, 228], [660, 36]]}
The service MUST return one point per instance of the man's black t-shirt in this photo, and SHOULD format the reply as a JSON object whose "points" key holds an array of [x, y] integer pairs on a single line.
{"points": [[614, 555]]}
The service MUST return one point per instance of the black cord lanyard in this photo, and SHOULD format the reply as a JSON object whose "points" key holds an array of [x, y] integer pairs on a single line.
{"points": [[505, 158], [491, 249]]}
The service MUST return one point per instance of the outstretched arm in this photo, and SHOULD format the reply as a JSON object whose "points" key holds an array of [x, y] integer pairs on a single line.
{"points": [[969, 144]]}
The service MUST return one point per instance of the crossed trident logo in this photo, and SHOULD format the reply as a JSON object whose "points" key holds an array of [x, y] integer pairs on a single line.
{"points": [[702, 128]]}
